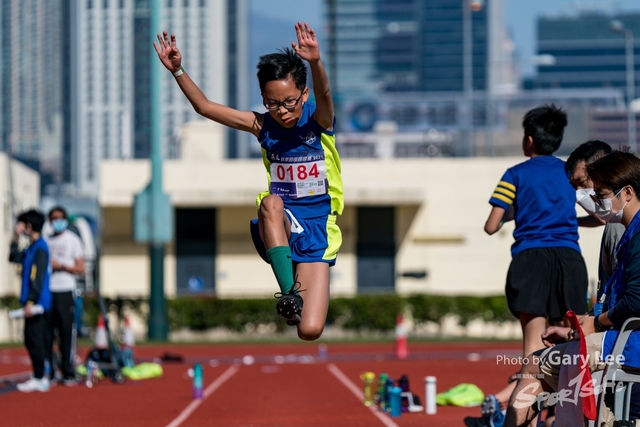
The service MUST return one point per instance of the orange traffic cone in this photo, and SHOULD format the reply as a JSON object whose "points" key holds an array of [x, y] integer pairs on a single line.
{"points": [[101, 340], [402, 351], [128, 340]]}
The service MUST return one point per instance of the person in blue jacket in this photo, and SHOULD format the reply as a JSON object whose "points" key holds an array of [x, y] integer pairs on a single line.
{"points": [[36, 271]]}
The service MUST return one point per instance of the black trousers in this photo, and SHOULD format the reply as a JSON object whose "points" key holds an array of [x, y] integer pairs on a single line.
{"points": [[62, 325], [36, 337]]}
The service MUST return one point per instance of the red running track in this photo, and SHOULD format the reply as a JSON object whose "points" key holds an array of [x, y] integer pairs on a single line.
{"points": [[286, 391]]}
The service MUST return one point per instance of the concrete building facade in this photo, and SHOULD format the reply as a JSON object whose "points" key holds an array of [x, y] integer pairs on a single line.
{"points": [[425, 215], [20, 191]]}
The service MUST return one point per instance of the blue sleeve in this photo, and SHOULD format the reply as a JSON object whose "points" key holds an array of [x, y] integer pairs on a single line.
{"points": [[505, 193], [629, 304]]}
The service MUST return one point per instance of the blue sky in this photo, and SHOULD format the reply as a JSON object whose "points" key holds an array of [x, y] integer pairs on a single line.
{"points": [[520, 16]]}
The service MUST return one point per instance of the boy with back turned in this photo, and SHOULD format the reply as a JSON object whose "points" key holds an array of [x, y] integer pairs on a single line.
{"points": [[547, 275]]}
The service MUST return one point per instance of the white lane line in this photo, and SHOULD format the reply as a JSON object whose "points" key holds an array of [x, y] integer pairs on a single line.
{"points": [[16, 376], [195, 403], [359, 394]]}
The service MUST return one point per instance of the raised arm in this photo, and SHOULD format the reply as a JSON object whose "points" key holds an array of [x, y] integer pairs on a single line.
{"points": [[16, 255], [171, 58], [307, 48]]}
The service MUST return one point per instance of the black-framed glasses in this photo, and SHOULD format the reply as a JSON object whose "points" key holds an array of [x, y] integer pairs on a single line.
{"points": [[598, 200], [289, 105]]}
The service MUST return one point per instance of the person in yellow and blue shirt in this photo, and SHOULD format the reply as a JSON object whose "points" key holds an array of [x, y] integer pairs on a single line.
{"points": [[547, 276], [296, 230]]}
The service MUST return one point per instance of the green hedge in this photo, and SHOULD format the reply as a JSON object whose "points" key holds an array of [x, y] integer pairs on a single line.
{"points": [[203, 313], [376, 313], [363, 312]]}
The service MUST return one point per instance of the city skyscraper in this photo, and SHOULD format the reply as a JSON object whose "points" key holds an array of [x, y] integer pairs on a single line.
{"points": [[411, 45], [35, 76], [115, 54], [421, 66], [582, 51]]}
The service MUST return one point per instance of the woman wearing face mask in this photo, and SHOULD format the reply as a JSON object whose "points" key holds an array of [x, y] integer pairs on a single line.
{"points": [[616, 179], [616, 184], [67, 261]]}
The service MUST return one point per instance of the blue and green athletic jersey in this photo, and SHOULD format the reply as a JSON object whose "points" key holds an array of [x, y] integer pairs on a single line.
{"points": [[303, 166]]}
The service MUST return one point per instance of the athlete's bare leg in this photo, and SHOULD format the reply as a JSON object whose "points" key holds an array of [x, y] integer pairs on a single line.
{"points": [[314, 277], [274, 225]]}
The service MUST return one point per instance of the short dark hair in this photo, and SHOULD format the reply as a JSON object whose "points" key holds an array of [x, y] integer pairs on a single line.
{"points": [[545, 125], [588, 152], [282, 65], [615, 171], [58, 209], [33, 217]]}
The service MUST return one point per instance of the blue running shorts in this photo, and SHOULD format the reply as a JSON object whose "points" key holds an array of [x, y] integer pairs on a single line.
{"points": [[312, 239]]}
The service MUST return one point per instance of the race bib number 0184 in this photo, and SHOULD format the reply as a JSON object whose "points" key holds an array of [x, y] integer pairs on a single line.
{"points": [[300, 179]]}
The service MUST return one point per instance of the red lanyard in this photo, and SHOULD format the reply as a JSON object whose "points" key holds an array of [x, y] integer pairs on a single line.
{"points": [[588, 402]]}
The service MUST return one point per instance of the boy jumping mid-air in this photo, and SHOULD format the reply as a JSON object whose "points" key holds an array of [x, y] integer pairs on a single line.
{"points": [[296, 230]]}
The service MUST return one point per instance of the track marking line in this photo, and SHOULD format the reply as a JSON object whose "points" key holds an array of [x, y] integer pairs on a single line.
{"points": [[16, 376], [359, 394], [210, 389], [8, 382]]}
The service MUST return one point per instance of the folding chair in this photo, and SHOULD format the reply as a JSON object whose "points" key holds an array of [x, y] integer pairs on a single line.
{"points": [[617, 379]]}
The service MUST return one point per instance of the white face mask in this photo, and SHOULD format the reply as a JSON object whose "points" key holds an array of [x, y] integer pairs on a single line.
{"points": [[605, 210], [584, 199]]}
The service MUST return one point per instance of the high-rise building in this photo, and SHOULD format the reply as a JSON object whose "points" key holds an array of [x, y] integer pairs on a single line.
{"points": [[434, 66], [353, 33], [34, 84], [115, 54], [238, 93], [412, 45], [582, 51]]}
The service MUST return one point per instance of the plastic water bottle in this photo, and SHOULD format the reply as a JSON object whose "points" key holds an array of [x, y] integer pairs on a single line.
{"points": [[92, 374], [403, 383], [322, 352], [395, 401], [430, 395], [197, 381], [47, 369], [127, 357], [380, 396], [387, 394], [368, 379]]}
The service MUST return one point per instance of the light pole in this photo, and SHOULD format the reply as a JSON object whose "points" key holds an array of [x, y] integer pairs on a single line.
{"points": [[619, 27], [468, 6]]}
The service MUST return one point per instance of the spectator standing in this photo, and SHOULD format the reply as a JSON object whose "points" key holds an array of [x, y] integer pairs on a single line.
{"points": [[67, 261]]}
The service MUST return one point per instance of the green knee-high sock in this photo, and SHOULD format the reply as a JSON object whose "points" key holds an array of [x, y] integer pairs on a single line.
{"points": [[280, 257]]}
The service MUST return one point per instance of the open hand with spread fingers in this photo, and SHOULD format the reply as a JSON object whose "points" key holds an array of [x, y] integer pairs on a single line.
{"points": [[168, 52], [307, 46]]}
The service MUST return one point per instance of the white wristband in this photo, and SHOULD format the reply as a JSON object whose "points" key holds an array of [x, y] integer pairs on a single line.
{"points": [[179, 72]]}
